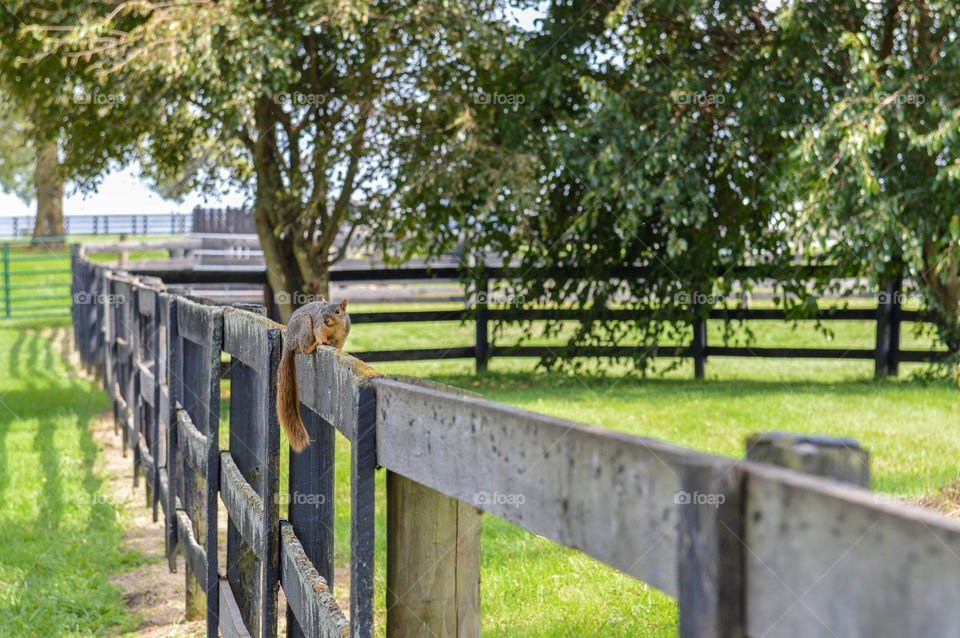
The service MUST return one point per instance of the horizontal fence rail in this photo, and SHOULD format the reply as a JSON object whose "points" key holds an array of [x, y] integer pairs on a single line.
{"points": [[888, 316], [112, 224], [769, 551]]}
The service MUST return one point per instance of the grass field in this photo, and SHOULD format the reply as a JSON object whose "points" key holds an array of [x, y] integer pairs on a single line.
{"points": [[530, 586], [58, 533]]}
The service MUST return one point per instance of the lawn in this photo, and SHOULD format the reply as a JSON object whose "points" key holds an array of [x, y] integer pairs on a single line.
{"points": [[530, 586], [59, 534]]}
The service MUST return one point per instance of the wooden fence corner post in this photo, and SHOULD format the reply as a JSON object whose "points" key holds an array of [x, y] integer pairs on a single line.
{"points": [[839, 458], [433, 562]]}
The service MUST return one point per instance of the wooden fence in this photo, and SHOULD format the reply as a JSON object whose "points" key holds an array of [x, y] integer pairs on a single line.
{"points": [[749, 549], [887, 316]]}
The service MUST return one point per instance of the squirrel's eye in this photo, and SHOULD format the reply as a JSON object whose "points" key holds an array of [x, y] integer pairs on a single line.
{"points": [[338, 311]]}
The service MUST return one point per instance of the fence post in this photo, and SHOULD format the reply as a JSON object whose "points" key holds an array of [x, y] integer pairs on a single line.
{"points": [[433, 562], [482, 347], [839, 458], [710, 573], [699, 348], [6, 278], [363, 466], [433, 556], [312, 475], [887, 351]]}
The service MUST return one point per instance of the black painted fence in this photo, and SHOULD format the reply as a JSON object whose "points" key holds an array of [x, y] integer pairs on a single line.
{"points": [[747, 548], [887, 316]]}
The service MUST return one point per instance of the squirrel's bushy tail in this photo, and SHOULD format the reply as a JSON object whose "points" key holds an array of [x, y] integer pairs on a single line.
{"points": [[288, 402]]}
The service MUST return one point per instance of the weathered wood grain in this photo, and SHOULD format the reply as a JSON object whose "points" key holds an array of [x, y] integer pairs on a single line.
{"points": [[433, 562], [242, 502], [231, 622], [575, 484], [245, 530], [246, 336], [363, 466], [307, 592], [310, 505], [330, 382], [840, 458], [172, 379], [827, 559], [193, 443], [194, 555]]}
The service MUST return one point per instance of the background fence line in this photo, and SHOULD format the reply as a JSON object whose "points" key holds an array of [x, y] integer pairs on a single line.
{"points": [[772, 552], [886, 354]]}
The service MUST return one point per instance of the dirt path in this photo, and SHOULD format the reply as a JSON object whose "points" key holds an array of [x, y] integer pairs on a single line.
{"points": [[150, 591]]}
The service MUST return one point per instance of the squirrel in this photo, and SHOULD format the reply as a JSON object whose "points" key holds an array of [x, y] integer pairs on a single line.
{"points": [[314, 324]]}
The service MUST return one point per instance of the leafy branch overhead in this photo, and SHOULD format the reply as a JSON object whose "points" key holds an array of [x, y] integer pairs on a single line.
{"points": [[685, 141]]}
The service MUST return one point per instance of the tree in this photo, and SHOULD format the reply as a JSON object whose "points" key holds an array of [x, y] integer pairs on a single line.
{"points": [[639, 135], [304, 102], [880, 172], [30, 169]]}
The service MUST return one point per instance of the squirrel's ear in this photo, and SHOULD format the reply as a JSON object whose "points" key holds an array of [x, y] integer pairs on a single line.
{"points": [[343, 304]]}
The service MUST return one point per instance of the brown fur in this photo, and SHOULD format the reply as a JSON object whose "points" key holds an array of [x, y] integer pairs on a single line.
{"points": [[316, 323]]}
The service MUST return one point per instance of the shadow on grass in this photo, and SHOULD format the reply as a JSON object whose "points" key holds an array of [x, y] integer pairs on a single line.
{"points": [[59, 536], [590, 385]]}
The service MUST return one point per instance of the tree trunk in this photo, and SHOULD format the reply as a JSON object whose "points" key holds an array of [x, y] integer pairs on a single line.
{"points": [[48, 182]]}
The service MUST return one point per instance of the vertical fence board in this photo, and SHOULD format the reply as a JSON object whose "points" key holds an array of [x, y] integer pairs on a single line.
{"points": [[173, 378], [363, 465], [243, 566], [201, 393], [310, 505]]}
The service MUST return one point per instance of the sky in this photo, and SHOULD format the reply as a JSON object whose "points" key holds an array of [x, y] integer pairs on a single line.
{"points": [[121, 192]]}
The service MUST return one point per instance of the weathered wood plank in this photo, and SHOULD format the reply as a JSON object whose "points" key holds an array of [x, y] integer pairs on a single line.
{"points": [[330, 382], [194, 554], [193, 443], [838, 458], [172, 382], [164, 484], [146, 299], [710, 569], [194, 320], [246, 336], [431, 589], [611, 495], [146, 459], [242, 502], [231, 622], [244, 530], [148, 388], [307, 592], [827, 559]]}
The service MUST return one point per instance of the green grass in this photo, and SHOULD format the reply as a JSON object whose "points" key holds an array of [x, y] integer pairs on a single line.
{"points": [[59, 533], [530, 586], [39, 277], [533, 587]]}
